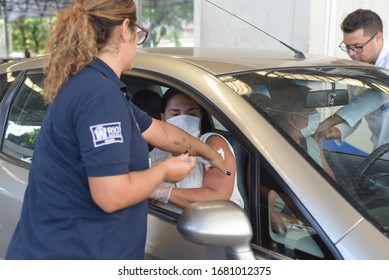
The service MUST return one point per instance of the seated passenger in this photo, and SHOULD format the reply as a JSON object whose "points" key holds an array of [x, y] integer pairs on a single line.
{"points": [[300, 123], [301, 127], [203, 183], [287, 107]]}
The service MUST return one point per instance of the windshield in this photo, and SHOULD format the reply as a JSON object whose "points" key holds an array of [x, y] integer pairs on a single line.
{"points": [[337, 118]]}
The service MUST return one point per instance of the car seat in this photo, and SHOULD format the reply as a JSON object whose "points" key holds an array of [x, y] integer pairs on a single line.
{"points": [[241, 157], [150, 102]]}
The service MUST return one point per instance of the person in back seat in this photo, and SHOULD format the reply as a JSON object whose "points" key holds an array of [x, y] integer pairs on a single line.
{"points": [[203, 183]]}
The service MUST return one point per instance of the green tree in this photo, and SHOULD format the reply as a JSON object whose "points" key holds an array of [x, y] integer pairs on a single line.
{"points": [[30, 35], [166, 20]]}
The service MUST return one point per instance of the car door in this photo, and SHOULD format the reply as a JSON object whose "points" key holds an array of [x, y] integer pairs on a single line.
{"points": [[163, 239], [22, 111]]}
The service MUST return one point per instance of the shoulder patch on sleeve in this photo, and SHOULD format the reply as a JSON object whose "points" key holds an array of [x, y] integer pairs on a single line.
{"points": [[106, 133]]}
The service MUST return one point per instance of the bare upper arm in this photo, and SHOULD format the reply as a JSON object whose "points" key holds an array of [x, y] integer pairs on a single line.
{"points": [[215, 179]]}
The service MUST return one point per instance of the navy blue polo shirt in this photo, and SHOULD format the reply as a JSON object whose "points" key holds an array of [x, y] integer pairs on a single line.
{"points": [[90, 130]]}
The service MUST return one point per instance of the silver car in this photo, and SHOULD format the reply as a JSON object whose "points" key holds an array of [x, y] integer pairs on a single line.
{"points": [[304, 199]]}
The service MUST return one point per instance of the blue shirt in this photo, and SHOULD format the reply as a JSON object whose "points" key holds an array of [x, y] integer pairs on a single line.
{"points": [[90, 130]]}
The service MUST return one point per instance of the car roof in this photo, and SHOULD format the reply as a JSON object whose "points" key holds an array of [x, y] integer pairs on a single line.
{"points": [[24, 64], [214, 60], [225, 60]]}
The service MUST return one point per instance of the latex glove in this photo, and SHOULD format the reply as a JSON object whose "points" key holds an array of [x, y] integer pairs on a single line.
{"points": [[162, 194]]}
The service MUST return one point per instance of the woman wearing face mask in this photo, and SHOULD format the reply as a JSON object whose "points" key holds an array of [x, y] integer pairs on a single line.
{"points": [[90, 178], [203, 183]]}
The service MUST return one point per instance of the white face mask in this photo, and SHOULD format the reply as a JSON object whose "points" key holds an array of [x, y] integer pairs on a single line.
{"points": [[313, 124], [186, 122]]}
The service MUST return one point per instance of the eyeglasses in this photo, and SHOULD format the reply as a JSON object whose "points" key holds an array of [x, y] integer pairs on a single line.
{"points": [[355, 49], [142, 33]]}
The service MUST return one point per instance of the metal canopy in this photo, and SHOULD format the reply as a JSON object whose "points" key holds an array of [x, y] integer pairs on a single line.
{"points": [[15, 9]]}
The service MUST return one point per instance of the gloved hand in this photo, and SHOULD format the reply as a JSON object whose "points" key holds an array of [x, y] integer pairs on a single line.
{"points": [[162, 194]]}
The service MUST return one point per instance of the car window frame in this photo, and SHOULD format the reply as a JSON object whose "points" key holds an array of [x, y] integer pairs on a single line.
{"points": [[12, 93], [378, 83], [4, 89], [328, 248]]}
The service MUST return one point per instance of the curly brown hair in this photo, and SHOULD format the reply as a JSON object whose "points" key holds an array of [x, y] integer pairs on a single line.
{"points": [[79, 33]]}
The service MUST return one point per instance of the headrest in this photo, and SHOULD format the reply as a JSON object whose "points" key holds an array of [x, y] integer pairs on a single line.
{"points": [[149, 101]]}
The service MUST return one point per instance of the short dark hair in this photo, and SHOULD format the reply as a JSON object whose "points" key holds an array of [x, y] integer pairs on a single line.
{"points": [[368, 20]]}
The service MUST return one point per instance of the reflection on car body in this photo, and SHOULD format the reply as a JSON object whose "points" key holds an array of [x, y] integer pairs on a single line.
{"points": [[294, 207]]}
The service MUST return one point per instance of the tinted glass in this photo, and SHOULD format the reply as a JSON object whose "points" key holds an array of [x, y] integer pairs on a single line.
{"points": [[24, 120], [295, 101], [6, 80]]}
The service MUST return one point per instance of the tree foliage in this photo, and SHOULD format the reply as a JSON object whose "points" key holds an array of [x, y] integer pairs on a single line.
{"points": [[167, 21], [29, 34]]}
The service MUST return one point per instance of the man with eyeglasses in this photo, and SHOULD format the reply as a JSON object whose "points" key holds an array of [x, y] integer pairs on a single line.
{"points": [[363, 41]]}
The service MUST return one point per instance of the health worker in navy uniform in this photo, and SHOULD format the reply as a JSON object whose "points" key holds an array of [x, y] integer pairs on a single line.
{"points": [[90, 177]]}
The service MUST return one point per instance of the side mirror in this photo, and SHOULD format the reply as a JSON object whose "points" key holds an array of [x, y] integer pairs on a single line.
{"points": [[218, 223]]}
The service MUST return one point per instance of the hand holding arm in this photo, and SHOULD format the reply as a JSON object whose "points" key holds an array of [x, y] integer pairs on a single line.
{"points": [[112, 193], [215, 185], [333, 133], [325, 126], [170, 138]]}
